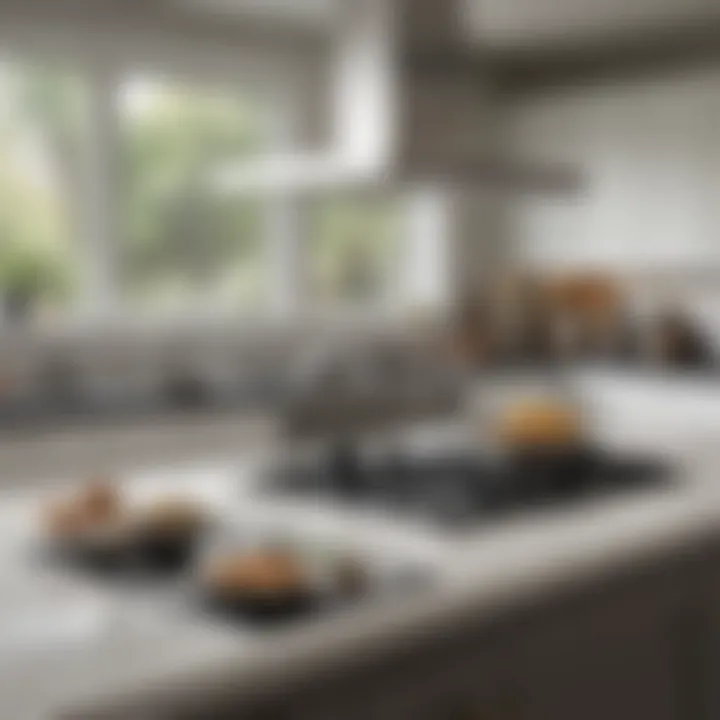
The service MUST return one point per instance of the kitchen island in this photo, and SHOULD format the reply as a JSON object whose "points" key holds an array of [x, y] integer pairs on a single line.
{"points": [[615, 598]]}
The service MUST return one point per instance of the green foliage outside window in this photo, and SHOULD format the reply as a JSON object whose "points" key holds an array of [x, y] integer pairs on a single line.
{"points": [[181, 240], [353, 246], [184, 239], [41, 115]]}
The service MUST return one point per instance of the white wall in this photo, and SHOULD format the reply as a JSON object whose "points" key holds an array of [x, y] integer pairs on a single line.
{"points": [[650, 150]]}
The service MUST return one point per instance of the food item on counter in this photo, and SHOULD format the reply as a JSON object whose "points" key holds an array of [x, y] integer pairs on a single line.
{"points": [[263, 582], [540, 424], [96, 506], [170, 518], [100, 500], [167, 533], [261, 573], [91, 528], [547, 450], [97, 524], [62, 519], [68, 522]]}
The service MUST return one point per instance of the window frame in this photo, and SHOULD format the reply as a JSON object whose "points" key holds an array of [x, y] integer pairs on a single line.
{"points": [[393, 296], [100, 298]]}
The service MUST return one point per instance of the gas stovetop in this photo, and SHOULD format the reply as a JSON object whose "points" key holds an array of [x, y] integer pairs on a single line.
{"points": [[460, 488]]}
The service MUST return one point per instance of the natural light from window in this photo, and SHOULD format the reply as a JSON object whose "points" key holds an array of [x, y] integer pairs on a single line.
{"points": [[184, 244], [110, 210], [42, 121]]}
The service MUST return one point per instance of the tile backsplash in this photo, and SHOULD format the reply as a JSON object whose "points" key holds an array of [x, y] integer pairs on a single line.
{"points": [[113, 373]]}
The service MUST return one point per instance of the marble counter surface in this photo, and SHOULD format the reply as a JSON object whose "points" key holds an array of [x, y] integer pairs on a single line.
{"points": [[67, 642]]}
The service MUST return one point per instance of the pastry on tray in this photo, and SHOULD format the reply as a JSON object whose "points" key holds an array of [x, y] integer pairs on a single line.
{"points": [[99, 527], [96, 506], [549, 452], [168, 532], [173, 517], [259, 583], [101, 500], [91, 525], [540, 424]]}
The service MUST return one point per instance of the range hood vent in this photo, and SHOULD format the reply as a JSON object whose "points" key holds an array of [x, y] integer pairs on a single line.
{"points": [[410, 102]]}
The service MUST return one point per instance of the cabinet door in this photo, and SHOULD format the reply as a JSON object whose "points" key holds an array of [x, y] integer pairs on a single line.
{"points": [[712, 656], [461, 683], [617, 652]]}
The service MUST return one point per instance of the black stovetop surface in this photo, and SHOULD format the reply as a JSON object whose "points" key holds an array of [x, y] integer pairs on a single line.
{"points": [[464, 488]]}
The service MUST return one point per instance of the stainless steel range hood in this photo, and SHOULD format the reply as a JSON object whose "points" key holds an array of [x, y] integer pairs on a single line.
{"points": [[410, 101]]}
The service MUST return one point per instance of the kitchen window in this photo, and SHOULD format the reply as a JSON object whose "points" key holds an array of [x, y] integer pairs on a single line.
{"points": [[184, 243], [110, 205], [353, 246], [43, 116]]}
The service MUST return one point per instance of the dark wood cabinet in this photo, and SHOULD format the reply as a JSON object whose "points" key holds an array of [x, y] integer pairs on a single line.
{"points": [[643, 644], [639, 643]]}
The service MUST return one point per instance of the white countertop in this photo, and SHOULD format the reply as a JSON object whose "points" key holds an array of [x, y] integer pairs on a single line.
{"points": [[63, 638]]}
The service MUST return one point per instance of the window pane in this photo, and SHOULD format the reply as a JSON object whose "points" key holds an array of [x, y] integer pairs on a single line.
{"points": [[353, 249], [42, 116], [186, 243]]}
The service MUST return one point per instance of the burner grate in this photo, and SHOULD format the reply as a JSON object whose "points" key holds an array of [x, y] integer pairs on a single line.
{"points": [[466, 489]]}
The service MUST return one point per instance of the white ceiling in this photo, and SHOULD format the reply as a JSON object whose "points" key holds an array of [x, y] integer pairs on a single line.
{"points": [[532, 22], [294, 12], [499, 23]]}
